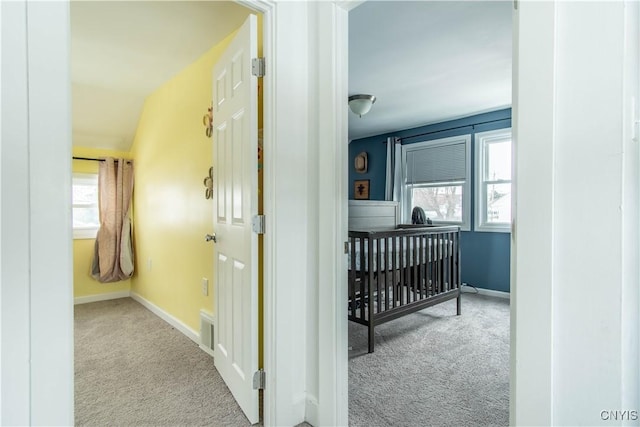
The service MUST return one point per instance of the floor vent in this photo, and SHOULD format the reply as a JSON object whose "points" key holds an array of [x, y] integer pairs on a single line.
{"points": [[206, 332]]}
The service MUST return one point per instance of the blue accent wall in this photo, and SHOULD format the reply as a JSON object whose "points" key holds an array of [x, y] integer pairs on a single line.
{"points": [[485, 255]]}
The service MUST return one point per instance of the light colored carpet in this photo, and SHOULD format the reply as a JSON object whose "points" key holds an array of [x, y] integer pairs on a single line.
{"points": [[433, 368], [133, 369], [429, 368]]}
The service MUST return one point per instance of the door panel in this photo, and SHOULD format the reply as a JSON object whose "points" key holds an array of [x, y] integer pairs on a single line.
{"points": [[235, 203]]}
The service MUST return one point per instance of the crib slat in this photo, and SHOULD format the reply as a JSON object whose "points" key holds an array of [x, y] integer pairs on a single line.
{"points": [[387, 266], [416, 268], [450, 258], [371, 274], [443, 270], [441, 263], [402, 272], [427, 265], [443, 242], [412, 274], [445, 262], [423, 266], [406, 262], [364, 279], [437, 263], [393, 284], [352, 276], [378, 270], [458, 264], [432, 264], [416, 279], [456, 254]]}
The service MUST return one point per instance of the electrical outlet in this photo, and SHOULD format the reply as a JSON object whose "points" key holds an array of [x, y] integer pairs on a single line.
{"points": [[149, 264], [205, 286]]}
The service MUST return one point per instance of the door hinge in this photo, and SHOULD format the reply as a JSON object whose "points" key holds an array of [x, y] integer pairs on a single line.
{"points": [[258, 67], [258, 224], [346, 247], [259, 380]]}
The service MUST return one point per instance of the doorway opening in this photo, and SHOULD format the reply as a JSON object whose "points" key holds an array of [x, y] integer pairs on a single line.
{"points": [[440, 129], [142, 82]]}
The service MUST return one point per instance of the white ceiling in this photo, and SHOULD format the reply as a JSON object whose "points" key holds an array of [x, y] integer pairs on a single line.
{"points": [[121, 51], [427, 62]]}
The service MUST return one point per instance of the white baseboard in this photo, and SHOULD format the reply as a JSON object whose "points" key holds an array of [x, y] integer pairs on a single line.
{"points": [[311, 410], [173, 321], [101, 297], [207, 350], [487, 292]]}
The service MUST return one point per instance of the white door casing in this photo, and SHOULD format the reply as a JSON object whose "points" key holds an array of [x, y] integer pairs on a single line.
{"points": [[235, 148]]}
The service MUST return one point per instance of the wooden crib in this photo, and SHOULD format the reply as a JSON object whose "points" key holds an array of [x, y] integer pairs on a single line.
{"points": [[394, 272]]}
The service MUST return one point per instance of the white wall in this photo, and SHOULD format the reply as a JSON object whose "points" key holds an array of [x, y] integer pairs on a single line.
{"points": [[327, 350], [533, 110], [286, 207], [15, 222], [575, 301], [37, 336], [588, 356], [630, 318], [37, 308]]}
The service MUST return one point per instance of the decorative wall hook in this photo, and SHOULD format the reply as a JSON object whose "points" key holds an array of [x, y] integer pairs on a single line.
{"points": [[207, 121], [208, 183]]}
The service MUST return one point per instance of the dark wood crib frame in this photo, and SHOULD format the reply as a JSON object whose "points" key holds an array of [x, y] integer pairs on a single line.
{"points": [[423, 270]]}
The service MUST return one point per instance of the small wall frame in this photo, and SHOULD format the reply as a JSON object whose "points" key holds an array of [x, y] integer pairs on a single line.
{"points": [[361, 189]]}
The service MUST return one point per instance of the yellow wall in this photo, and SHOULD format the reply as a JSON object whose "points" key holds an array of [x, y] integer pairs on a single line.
{"points": [[171, 215], [83, 283]]}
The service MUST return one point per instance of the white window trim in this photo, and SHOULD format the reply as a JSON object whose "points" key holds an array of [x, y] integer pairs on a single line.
{"points": [[480, 221], [405, 202], [84, 232]]}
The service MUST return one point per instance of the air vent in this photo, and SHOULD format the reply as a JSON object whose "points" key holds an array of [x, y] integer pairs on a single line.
{"points": [[206, 332]]}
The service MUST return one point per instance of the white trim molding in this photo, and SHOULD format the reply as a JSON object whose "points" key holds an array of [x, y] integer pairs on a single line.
{"points": [[485, 292], [331, 29], [169, 318], [482, 139], [569, 148], [286, 117], [36, 338], [101, 297], [311, 410]]}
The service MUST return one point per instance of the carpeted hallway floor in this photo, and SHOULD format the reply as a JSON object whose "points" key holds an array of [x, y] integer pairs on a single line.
{"points": [[433, 368], [133, 369]]}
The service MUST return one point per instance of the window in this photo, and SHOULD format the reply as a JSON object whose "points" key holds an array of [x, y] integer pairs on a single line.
{"points": [[493, 181], [85, 206], [435, 177]]}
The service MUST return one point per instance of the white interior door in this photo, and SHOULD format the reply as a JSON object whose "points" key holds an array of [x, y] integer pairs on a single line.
{"points": [[235, 148]]}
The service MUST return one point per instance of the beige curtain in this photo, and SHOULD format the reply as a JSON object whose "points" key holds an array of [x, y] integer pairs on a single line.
{"points": [[113, 254]]}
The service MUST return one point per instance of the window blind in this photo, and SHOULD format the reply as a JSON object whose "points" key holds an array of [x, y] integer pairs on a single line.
{"points": [[442, 163]]}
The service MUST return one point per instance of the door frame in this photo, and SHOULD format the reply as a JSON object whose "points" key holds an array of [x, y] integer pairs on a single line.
{"points": [[37, 318]]}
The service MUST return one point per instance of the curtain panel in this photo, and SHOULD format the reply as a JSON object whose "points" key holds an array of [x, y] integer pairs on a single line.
{"points": [[113, 252]]}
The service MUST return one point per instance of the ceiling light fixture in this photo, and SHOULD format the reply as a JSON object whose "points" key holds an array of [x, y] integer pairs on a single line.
{"points": [[361, 104]]}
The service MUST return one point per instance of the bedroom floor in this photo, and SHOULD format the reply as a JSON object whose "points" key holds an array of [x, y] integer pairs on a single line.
{"points": [[433, 368]]}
